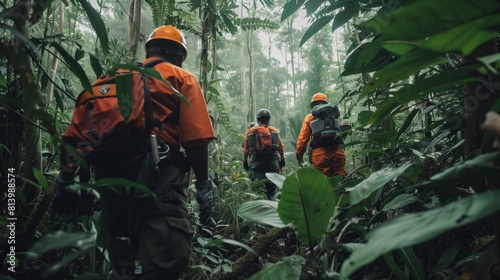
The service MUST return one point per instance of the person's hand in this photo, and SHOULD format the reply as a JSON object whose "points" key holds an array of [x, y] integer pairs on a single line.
{"points": [[205, 200], [245, 165], [64, 202], [300, 160], [282, 162]]}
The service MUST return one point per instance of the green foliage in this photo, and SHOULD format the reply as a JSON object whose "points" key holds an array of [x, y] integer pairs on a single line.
{"points": [[261, 211], [162, 10], [307, 202], [288, 268], [97, 23], [411, 229], [256, 23]]}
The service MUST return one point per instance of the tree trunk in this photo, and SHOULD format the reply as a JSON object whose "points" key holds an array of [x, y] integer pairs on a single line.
{"points": [[205, 46], [134, 26], [32, 101], [251, 76], [55, 60]]}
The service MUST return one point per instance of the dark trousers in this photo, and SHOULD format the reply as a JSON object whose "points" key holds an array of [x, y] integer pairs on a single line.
{"points": [[158, 232], [258, 170]]}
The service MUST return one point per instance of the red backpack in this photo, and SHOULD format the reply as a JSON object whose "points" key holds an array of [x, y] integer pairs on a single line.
{"points": [[263, 141], [113, 122]]}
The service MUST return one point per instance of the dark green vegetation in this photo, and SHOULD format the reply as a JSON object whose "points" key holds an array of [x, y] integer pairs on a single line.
{"points": [[418, 77]]}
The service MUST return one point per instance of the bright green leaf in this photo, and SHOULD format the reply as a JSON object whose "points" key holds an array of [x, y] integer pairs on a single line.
{"points": [[124, 94], [262, 212], [307, 202], [374, 182], [97, 23]]}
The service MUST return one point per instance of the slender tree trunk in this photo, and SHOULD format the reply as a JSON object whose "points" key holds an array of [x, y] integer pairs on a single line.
{"points": [[32, 101], [55, 60], [291, 42], [251, 74], [134, 26], [205, 46]]}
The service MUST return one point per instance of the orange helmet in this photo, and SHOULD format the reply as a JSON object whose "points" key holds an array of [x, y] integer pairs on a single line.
{"points": [[168, 32], [318, 97]]}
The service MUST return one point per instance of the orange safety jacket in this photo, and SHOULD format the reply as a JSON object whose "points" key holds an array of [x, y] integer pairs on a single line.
{"points": [[329, 160], [183, 125]]}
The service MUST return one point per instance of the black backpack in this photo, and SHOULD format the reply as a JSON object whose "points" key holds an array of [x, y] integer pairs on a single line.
{"points": [[325, 126]]}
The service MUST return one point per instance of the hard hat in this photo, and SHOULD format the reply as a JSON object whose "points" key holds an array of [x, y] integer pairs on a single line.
{"points": [[168, 32], [319, 97], [263, 113]]}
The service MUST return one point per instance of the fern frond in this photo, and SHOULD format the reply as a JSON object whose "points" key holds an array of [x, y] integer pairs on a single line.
{"points": [[256, 23]]}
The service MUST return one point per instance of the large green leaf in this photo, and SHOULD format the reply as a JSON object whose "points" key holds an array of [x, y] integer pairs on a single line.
{"points": [[374, 182], [124, 94], [478, 168], [59, 240], [97, 23], [74, 66], [399, 201], [288, 268], [423, 18], [344, 16], [421, 89], [307, 202], [411, 229], [464, 38], [262, 212], [364, 117], [276, 178], [290, 8], [412, 263], [315, 27], [406, 65], [3, 82], [96, 65]]}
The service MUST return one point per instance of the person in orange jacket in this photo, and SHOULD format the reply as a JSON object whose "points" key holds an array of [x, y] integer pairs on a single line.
{"points": [[328, 159], [265, 161], [145, 238]]}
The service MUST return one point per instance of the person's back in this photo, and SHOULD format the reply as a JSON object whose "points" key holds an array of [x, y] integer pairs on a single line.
{"points": [[264, 147], [324, 154], [150, 237]]}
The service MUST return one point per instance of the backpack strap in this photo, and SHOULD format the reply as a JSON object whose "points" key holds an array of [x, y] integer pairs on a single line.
{"points": [[151, 121]]}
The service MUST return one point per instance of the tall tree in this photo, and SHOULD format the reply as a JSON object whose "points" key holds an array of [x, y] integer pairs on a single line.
{"points": [[134, 26]]}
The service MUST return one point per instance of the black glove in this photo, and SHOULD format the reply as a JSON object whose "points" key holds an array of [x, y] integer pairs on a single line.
{"points": [[205, 200], [246, 166], [282, 162], [64, 202]]}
